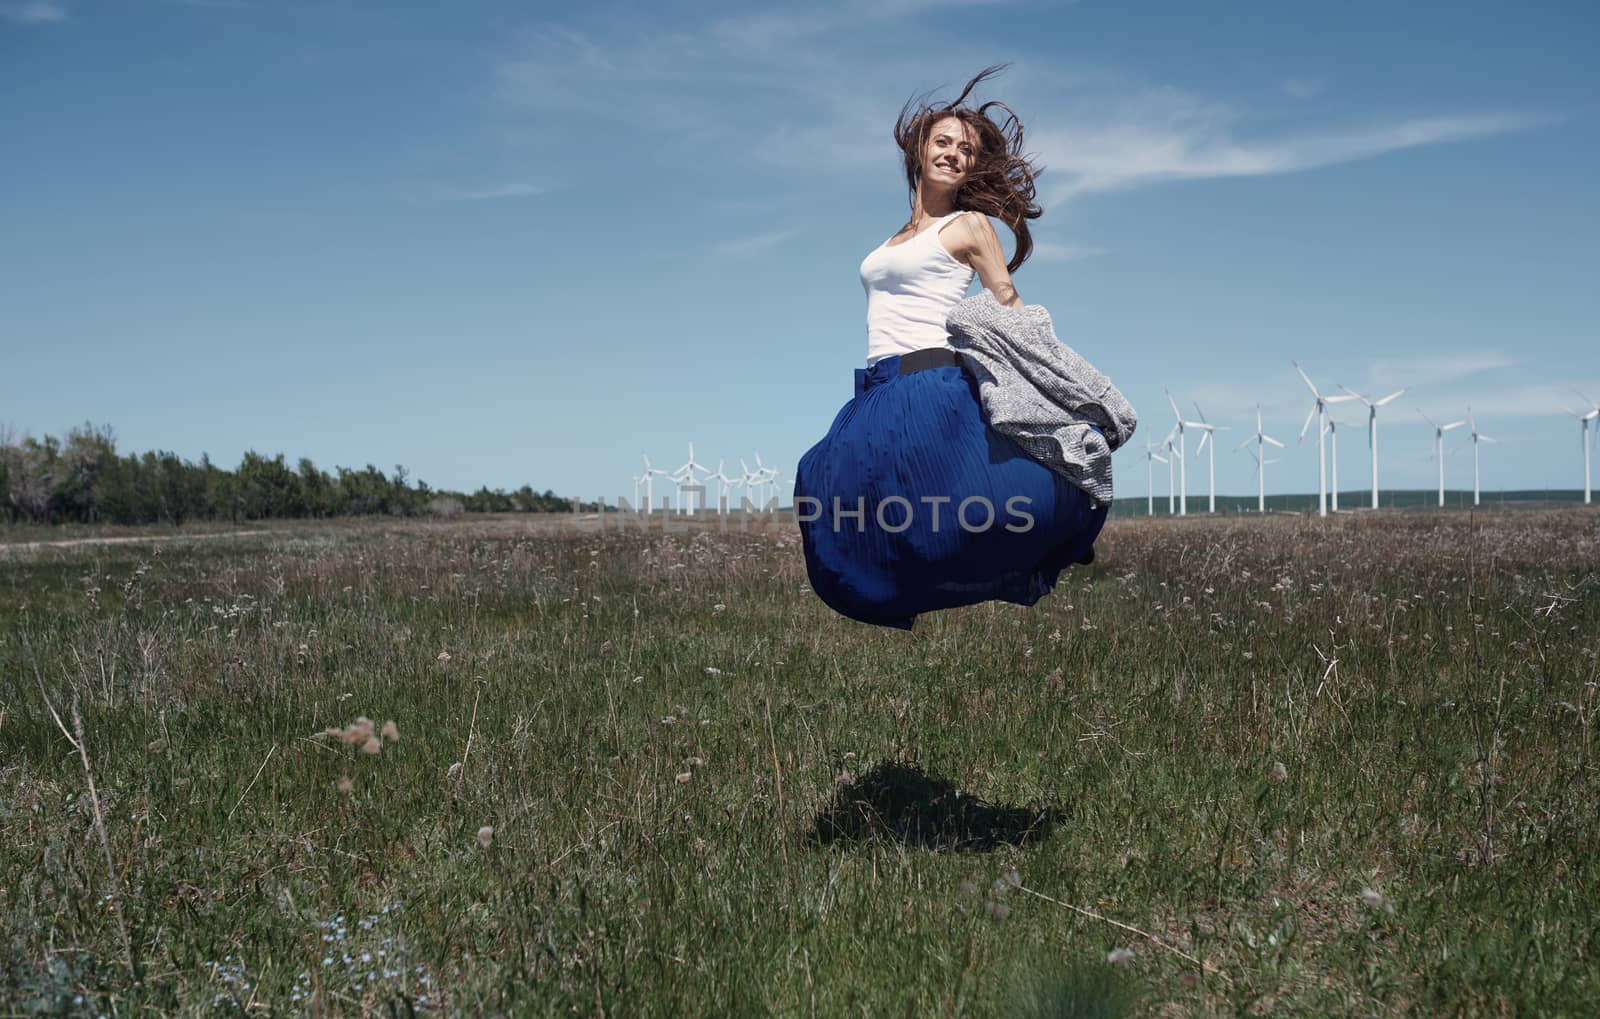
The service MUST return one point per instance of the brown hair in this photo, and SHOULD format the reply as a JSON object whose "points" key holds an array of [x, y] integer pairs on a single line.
{"points": [[1001, 181]]}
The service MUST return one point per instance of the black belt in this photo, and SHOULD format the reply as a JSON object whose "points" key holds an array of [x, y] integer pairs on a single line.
{"points": [[928, 357]]}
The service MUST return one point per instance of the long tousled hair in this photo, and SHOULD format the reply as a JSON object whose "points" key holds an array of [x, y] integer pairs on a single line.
{"points": [[1001, 181]]}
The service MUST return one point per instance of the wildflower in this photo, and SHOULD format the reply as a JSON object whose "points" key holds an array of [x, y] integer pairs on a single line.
{"points": [[344, 784], [684, 776], [712, 670], [605, 647], [485, 835], [1054, 679], [718, 607], [1120, 957], [453, 773], [997, 910], [371, 746], [444, 658], [155, 746], [694, 762], [1279, 772], [391, 732], [1375, 900]]}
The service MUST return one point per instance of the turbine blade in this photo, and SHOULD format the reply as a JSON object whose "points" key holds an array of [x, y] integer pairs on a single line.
{"points": [[1307, 379], [1275, 442], [1197, 410], [1391, 396], [1353, 394], [1307, 425], [1427, 418], [1176, 412], [1453, 424]]}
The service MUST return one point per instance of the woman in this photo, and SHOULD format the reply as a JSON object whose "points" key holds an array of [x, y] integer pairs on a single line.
{"points": [[912, 502]]}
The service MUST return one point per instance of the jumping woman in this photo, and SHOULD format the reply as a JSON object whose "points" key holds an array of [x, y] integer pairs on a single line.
{"points": [[912, 502]]}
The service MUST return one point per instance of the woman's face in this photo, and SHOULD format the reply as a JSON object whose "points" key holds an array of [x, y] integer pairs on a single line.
{"points": [[951, 152]]}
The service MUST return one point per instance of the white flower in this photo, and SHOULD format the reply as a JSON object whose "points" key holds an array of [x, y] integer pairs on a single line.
{"points": [[485, 835], [1279, 772], [1120, 957]]}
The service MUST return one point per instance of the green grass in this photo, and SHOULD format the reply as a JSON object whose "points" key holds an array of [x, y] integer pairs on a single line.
{"points": [[837, 820]]}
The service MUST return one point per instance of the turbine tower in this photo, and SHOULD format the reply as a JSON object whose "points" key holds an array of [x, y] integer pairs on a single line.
{"points": [[1438, 439], [1372, 430], [1584, 419], [1319, 410], [1477, 437], [1149, 475], [1259, 453], [1183, 457]]}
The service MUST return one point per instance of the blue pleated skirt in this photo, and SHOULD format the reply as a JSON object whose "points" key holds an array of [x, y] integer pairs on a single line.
{"points": [[913, 503]]}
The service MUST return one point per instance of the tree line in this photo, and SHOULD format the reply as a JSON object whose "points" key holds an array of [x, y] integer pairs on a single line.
{"points": [[83, 479]]}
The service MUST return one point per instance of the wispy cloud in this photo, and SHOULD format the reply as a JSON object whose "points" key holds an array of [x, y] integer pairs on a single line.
{"points": [[518, 190], [1049, 251], [758, 242], [1166, 135], [1305, 87], [39, 12], [1435, 369]]}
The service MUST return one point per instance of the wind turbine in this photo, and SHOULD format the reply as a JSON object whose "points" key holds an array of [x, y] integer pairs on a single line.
{"points": [[1261, 462], [1172, 457], [723, 481], [1210, 436], [1438, 439], [649, 488], [1183, 457], [1150, 458], [1372, 430], [764, 476], [1333, 461], [1319, 410], [1477, 437], [686, 474], [1594, 412]]}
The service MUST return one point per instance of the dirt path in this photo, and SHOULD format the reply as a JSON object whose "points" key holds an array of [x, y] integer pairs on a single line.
{"points": [[31, 546]]}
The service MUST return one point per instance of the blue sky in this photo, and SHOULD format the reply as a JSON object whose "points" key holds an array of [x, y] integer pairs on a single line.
{"points": [[507, 243]]}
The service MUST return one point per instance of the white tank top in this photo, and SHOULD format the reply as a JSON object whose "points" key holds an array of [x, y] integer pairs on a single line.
{"points": [[911, 287]]}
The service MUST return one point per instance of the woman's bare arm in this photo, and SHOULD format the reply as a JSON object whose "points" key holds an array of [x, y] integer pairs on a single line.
{"points": [[971, 239]]}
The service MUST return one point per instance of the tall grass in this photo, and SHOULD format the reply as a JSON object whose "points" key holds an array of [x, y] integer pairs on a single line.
{"points": [[1266, 766]]}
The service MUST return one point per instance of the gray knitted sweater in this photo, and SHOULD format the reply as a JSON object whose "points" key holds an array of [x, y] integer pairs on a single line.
{"points": [[1040, 392]]}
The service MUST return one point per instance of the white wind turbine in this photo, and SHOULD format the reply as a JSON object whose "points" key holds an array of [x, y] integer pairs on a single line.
{"points": [[764, 476], [1150, 458], [1438, 441], [1372, 430], [1319, 410], [1210, 437], [1333, 464], [1477, 437], [751, 481], [1261, 461], [1584, 419], [1183, 456], [649, 489], [723, 482], [685, 474], [1172, 460]]}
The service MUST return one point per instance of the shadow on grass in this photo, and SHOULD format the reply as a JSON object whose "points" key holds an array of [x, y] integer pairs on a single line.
{"points": [[901, 803]]}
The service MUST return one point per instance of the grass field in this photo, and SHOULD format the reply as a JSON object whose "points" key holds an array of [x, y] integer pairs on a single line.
{"points": [[1247, 766]]}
